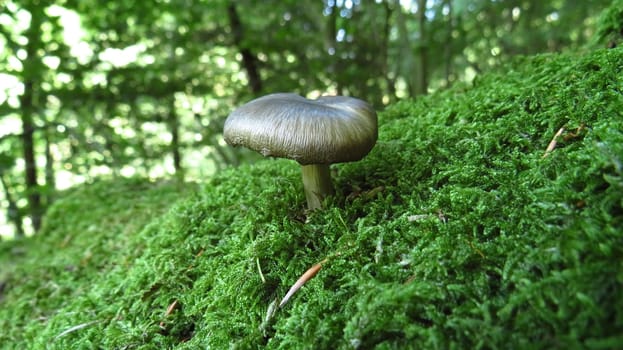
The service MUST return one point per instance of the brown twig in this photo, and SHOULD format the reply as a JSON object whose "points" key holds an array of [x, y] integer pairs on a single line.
{"points": [[553, 142], [576, 133], [169, 311], [171, 308], [309, 274]]}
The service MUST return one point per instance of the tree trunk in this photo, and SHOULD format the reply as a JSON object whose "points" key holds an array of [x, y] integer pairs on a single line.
{"points": [[448, 45], [331, 47], [391, 87], [407, 58], [28, 105], [422, 75], [28, 144], [13, 213], [50, 179], [249, 61], [174, 129]]}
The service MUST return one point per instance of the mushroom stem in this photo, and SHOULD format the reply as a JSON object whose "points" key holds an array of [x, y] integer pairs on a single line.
{"points": [[317, 184]]}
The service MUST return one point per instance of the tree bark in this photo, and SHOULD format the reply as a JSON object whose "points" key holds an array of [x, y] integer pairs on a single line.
{"points": [[422, 75], [28, 145], [28, 104], [249, 61], [174, 129], [391, 84], [50, 179], [407, 58], [331, 47], [13, 213], [448, 45]]}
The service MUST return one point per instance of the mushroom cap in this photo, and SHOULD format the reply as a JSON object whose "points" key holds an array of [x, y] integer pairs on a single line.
{"points": [[329, 129]]}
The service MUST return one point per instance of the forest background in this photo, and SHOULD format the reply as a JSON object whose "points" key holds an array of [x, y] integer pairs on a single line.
{"points": [[92, 89]]}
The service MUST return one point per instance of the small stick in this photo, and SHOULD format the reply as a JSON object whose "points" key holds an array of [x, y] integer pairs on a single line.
{"points": [[76, 328], [301, 281], [171, 308], [259, 269], [169, 311], [574, 134], [552, 144]]}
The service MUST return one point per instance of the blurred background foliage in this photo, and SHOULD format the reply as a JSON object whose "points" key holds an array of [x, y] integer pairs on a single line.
{"points": [[92, 89]]}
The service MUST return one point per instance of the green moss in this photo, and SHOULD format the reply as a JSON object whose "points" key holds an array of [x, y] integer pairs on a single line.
{"points": [[610, 25], [85, 236], [455, 232]]}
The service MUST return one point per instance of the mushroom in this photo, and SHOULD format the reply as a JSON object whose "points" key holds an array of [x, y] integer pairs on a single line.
{"points": [[315, 133]]}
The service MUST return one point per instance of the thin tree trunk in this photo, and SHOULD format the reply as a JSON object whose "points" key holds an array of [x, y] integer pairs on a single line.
{"points": [[13, 213], [28, 144], [331, 47], [249, 61], [50, 180], [172, 119], [448, 45], [422, 75], [28, 104], [391, 87], [174, 129], [407, 58]]}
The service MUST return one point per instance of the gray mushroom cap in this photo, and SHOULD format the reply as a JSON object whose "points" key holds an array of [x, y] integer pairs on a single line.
{"points": [[330, 129]]}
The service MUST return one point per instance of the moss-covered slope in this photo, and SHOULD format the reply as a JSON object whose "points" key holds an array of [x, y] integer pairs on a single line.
{"points": [[85, 236], [455, 232]]}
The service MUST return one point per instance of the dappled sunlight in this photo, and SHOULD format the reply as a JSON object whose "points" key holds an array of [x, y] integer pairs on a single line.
{"points": [[487, 216], [93, 90]]}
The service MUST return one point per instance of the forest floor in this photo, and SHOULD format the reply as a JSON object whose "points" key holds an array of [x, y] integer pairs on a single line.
{"points": [[487, 216]]}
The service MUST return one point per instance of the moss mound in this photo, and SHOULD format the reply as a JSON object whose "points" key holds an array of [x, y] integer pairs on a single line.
{"points": [[459, 230], [85, 236], [610, 25]]}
